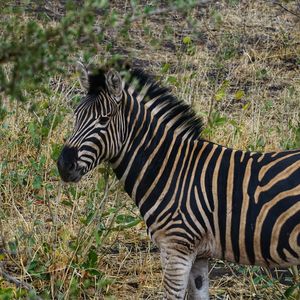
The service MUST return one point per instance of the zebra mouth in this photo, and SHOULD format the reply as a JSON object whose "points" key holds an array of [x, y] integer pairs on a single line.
{"points": [[69, 167], [74, 176], [71, 177]]}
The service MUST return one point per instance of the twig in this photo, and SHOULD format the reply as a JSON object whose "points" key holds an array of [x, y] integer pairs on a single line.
{"points": [[284, 8], [19, 283]]}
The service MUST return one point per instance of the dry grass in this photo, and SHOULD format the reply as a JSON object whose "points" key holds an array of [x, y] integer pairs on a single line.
{"points": [[240, 71]]}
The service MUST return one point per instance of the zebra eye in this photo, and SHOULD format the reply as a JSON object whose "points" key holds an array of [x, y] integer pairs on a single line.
{"points": [[103, 120]]}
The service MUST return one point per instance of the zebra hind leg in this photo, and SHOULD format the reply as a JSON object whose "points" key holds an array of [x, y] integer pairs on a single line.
{"points": [[176, 271], [198, 280]]}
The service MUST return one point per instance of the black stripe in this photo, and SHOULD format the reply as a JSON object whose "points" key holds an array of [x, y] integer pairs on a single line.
{"points": [[209, 176], [272, 216], [143, 155], [222, 199], [161, 184], [253, 209], [154, 196], [279, 167], [237, 197]]}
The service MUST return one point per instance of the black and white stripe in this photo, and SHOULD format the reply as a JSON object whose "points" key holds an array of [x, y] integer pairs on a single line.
{"points": [[198, 199]]}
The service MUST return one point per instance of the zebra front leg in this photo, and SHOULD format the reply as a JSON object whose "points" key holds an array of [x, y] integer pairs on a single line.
{"points": [[176, 270], [198, 280]]}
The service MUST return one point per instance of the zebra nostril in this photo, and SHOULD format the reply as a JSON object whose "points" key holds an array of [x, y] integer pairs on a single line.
{"points": [[71, 166]]}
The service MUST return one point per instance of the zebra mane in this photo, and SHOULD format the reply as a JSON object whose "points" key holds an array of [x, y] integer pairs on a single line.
{"points": [[175, 111], [186, 120]]}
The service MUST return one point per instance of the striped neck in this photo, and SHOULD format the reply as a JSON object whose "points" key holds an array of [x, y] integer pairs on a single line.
{"points": [[155, 122], [149, 141]]}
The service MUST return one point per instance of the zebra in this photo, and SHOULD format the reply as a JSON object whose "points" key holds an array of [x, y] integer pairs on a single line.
{"points": [[199, 200]]}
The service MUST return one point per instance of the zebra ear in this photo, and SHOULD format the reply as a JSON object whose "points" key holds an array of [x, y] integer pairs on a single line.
{"points": [[114, 82], [83, 75]]}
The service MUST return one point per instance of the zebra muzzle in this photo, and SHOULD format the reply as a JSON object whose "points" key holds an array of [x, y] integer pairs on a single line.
{"points": [[67, 165]]}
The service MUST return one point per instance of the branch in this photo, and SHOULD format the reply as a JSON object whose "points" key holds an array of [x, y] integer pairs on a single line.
{"points": [[17, 282], [284, 8]]}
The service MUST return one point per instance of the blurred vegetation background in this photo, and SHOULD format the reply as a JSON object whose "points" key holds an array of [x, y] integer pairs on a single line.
{"points": [[236, 62]]}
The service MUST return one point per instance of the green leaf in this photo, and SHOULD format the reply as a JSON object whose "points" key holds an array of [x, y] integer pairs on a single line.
{"points": [[56, 149], [92, 258], [172, 80], [37, 182], [13, 246], [291, 292], [101, 184], [220, 94], [123, 219], [128, 225], [67, 203], [91, 263], [148, 9], [262, 74], [246, 106], [186, 40], [94, 272], [32, 266], [104, 282], [6, 294], [89, 218], [239, 95], [165, 68], [3, 113]]}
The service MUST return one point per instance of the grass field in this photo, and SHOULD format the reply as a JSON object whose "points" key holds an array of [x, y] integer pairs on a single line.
{"points": [[237, 63]]}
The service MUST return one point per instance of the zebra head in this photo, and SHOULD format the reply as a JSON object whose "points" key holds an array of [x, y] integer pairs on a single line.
{"points": [[98, 134]]}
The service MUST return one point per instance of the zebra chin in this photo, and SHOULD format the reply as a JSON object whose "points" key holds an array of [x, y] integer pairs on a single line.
{"points": [[70, 176], [73, 177]]}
